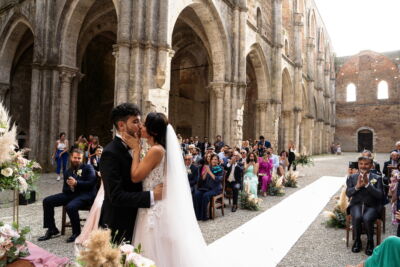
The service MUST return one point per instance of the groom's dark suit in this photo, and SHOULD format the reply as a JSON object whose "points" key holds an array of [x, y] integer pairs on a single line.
{"points": [[122, 197]]}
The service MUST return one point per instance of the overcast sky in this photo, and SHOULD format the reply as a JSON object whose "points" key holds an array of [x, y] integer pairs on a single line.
{"points": [[355, 25]]}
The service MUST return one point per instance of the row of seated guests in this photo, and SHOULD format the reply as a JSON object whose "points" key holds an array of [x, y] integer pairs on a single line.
{"points": [[81, 182], [205, 177]]}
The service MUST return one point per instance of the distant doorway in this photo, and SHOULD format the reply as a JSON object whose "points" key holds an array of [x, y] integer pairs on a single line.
{"points": [[365, 140]]}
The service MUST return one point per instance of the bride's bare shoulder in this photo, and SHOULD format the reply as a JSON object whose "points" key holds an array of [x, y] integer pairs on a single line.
{"points": [[156, 151]]}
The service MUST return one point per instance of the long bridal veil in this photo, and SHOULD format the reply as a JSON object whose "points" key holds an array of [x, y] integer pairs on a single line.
{"points": [[180, 230]]}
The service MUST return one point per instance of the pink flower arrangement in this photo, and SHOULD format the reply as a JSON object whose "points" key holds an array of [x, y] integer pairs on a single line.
{"points": [[12, 243]]}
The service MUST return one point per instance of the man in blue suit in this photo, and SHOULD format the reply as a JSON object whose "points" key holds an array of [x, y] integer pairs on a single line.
{"points": [[79, 191]]}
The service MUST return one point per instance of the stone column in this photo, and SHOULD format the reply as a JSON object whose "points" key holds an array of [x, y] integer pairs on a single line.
{"points": [[122, 66], [298, 71], [277, 53], [67, 75], [262, 111], [309, 135], [297, 121], [217, 92]]}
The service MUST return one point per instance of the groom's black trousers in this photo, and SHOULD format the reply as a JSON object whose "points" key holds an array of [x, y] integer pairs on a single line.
{"points": [[73, 203]]}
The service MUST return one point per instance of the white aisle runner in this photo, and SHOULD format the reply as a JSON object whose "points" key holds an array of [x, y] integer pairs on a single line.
{"points": [[267, 238]]}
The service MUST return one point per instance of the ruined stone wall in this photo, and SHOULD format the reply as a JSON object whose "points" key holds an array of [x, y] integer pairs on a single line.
{"points": [[381, 116]]}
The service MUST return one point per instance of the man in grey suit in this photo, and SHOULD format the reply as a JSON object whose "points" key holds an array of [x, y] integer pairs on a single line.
{"points": [[365, 190]]}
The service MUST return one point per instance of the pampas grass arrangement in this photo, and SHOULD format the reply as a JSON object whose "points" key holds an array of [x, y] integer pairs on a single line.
{"points": [[337, 217], [276, 188], [99, 251], [249, 202], [8, 136], [291, 179]]}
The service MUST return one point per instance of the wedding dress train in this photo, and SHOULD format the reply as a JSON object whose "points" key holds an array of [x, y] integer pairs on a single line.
{"points": [[168, 231]]}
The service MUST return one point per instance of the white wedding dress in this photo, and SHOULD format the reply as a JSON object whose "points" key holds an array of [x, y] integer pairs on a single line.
{"points": [[168, 231]]}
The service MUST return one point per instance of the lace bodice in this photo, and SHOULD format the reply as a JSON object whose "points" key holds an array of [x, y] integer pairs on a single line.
{"points": [[155, 177]]}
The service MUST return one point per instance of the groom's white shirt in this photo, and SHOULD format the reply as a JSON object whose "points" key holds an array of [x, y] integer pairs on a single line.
{"points": [[131, 153]]}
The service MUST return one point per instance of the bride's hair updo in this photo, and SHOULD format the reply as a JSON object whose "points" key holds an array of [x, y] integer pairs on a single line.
{"points": [[156, 125]]}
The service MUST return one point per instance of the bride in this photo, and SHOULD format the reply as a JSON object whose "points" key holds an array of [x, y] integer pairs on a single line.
{"points": [[168, 231]]}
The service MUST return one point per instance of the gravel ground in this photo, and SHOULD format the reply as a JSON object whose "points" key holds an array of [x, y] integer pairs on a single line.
{"points": [[318, 246]]}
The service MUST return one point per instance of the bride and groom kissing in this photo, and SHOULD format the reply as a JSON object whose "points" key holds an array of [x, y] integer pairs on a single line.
{"points": [[148, 201]]}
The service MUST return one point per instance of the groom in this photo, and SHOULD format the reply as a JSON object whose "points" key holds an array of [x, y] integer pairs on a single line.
{"points": [[122, 197]]}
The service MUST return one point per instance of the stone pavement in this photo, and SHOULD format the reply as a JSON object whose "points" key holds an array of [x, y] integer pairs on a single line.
{"points": [[318, 246]]}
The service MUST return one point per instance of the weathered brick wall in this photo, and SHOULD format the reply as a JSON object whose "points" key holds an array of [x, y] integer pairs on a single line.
{"points": [[381, 116]]}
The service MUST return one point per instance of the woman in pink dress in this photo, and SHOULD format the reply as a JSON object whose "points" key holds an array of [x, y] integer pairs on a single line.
{"points": [[265, 171]]}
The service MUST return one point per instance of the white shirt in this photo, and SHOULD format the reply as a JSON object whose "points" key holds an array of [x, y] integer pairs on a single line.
{"points": [[231, 177], [275, 160], [152, 202]]}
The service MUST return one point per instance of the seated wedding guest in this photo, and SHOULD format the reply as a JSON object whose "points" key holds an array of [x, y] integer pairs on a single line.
{"points": [[193, 172], [264, 142], [353, 168], [234, 173], [283, 163], [204, 145], [397, 149], [218, 143], [265, 167], [243, 154], [196, 141], [210, 184], [95, 160], [93, 146], [387, 254], [196, 156], [246, 146], [275, 158], [376, 167], [260, 149], [227, 155], [394, 161], [79, 191], [222, 154], [250, 179], [365, 190]]}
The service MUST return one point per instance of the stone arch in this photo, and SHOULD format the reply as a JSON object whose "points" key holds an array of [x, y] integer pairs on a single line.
{"points": [[258, 93], [69, 29], [257, 57], [16, 58], [93, 92], [10, 40], [215, 32], [287, 91], [191, 73], [359, 143], [286, 122]]}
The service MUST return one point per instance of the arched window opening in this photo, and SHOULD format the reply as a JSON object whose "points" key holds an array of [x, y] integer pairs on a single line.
{"points": [[259, 20], [286, 48], [351, 93], [383, 90]]}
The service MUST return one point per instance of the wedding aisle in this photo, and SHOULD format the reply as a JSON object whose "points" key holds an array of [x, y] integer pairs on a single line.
{"points": [[267, 238]]}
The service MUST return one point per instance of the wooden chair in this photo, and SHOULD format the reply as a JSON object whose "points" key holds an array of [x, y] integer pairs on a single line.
{"points": [[218, 200], [65, 224], [377, 228]]}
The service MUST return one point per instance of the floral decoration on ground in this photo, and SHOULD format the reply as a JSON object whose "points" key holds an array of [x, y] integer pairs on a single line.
{"points": [[291, 179], [12, 243], [99, 250], [16, 172], [276, 187], [337, 217]]}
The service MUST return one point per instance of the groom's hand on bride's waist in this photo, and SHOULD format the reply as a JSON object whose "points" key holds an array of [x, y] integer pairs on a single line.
{"points": [[157, 191]]}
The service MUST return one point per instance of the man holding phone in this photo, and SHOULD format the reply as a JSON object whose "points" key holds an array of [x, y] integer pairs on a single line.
{"points": [[365, 190]]}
